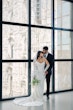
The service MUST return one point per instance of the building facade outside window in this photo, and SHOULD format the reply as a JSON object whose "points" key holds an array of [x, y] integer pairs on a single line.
{"points": [[15, 43]]}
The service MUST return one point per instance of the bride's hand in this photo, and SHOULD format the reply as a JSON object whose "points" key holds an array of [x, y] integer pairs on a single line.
{"points": [[46, 72]]}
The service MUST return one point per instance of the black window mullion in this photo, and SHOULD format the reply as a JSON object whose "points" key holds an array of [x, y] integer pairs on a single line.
{"points": [[68, 0], [29, 47], [0, 49], [53, 39]]}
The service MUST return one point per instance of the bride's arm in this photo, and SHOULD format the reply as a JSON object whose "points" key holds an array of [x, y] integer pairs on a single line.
{"points": [[47, 65]]}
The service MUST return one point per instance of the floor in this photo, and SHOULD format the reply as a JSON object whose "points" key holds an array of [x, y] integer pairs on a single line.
{"points": [[60, 101]]}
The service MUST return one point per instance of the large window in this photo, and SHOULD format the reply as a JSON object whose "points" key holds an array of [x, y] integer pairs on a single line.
{"points": [[41, 12], [25, 27], [14, 79], [63, 75], [15, 42], [63, 44], [15, 11], [62, 14]]}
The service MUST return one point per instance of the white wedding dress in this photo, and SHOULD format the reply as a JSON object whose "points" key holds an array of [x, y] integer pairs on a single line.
{"points": [[36, 98]]}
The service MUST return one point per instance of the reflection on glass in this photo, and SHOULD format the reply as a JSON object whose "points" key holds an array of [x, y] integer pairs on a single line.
{"points": [[15, 11], [41, 12], [14, 79], [15, 42], [63, 45], [40, 38], [63, 76], [62, 14]]}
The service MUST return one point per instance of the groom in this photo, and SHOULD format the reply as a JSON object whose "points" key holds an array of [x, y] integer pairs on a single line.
{"points": [[48, 73]]}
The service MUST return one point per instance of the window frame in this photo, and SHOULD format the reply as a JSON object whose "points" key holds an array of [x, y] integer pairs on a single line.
{"points": [[29, 60]]}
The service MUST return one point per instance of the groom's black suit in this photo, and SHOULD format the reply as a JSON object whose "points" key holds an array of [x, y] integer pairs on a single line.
{"points": [[50, 60]]}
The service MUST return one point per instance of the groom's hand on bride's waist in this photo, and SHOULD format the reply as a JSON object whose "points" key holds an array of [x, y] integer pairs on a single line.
{"points": [[46, 72]]}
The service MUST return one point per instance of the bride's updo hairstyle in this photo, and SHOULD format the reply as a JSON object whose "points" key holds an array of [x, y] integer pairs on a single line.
{"points": [[38, 53]]}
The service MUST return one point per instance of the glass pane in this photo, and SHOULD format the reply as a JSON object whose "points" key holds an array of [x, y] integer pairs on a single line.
{"points": [[63, 76], [15, 42], [14, 79], [40, 38], [63, 45], [63, 14], [41, 12], [15, 11]]}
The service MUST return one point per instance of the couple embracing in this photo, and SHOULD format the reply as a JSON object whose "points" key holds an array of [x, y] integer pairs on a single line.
{"points": [[43, 64]]}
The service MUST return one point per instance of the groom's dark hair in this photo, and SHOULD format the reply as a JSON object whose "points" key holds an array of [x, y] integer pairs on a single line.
{"points": [[45, 48]]}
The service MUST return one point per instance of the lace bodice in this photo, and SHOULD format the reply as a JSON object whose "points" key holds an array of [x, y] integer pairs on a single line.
{"points": [[39, 69]]}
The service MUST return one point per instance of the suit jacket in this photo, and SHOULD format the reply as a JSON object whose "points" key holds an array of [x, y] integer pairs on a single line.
{"points": [[50, 60]]}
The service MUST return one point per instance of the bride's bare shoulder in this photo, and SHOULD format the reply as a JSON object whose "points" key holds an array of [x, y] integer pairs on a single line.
{"points": [[44, 59]]}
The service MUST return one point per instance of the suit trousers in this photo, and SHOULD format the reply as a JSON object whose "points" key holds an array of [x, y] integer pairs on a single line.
{"points": [[48, 83]]}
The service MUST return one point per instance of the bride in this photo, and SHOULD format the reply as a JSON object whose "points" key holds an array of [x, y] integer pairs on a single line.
{"points": [[37, 83]]}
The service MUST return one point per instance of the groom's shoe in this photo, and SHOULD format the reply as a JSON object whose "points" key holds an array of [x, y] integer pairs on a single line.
{"points": [[47, 97]]}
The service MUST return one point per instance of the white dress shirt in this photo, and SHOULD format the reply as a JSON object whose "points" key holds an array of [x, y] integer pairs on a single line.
{"points": [[45, 55]]}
